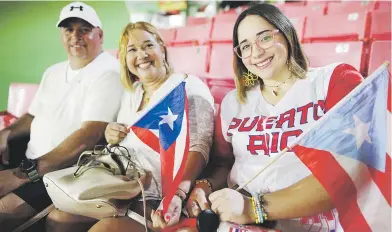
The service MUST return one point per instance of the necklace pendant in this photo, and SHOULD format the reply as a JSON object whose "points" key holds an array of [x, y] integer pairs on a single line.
{"points": [[274, 93]]}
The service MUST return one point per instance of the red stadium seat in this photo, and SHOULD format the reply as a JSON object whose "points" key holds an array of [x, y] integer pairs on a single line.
{"points": [[384, 6], [299, 24], [193, 34], [380, 51], [300, 11], [222, 32], [20, 96], [226, 18], [317, 5], [189, 59], [219, 92], [167, 35], [221, 61], [237, 10], [380, 28], [348, 7], [343, 27], [197, 20], [321, 54]]}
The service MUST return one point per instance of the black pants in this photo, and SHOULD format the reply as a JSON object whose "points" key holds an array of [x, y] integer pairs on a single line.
{"points": [[33, 193]]}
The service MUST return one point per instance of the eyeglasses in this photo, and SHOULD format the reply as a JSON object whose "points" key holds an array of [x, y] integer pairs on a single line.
{"points": [[263, 41]]}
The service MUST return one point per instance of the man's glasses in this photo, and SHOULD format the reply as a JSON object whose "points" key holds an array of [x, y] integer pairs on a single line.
{"points": [[263, 41]]}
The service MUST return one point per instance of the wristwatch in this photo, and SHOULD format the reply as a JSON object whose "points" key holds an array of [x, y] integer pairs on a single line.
{"points": [[29, 167]]}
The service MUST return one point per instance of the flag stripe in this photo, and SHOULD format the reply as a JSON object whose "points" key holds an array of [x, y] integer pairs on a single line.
{"points": [[371, 202], [180, 147], [383, 179], [145, 136], [342, 190], [167, 162], [389, 94], [178, 177]]}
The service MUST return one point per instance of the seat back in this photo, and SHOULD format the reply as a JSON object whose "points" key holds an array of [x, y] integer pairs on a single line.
{"points": [[299, 24], [20, 96], [351, 27], [380, 51], [384, 6], [190, 20], [168, 35], [348, 7], [219, 92], [380, 28], [321, 54], [226, 18], [222, 32], [193, 34], [221, 61], [189, 59], [300, 11]]}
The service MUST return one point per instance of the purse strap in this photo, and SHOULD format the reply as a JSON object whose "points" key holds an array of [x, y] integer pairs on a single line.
{"points": [[147, 224], [34, 219]]}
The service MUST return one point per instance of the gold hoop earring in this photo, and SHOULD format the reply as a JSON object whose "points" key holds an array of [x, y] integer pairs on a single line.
{"points": [[250, 79]]}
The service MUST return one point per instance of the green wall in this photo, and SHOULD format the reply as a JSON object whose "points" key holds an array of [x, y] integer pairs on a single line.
{"points": [[30, 41]]}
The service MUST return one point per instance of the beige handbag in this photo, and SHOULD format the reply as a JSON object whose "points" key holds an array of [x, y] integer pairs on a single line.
{"points": [[96, 187]]}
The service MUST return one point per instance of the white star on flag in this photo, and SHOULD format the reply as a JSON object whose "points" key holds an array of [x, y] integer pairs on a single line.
{"points": [[360, 131], [169, 118]]}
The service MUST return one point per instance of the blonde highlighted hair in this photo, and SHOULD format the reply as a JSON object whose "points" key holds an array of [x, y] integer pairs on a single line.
{"points": [[127, 78]]}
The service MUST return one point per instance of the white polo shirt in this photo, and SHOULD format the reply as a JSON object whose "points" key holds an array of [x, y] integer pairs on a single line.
{"points": [[62, 104]]}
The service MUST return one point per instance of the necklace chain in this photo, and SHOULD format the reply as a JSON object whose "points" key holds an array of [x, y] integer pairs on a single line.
{"points": [[276, 87]]}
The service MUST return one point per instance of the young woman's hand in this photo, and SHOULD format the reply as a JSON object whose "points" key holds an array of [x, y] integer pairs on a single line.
{"points": [[232, 206], [115, 132]]}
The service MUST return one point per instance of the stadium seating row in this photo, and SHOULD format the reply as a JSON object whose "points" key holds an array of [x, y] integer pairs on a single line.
{"points": [[319, 8], [214, 61], [361, 26], [362, 39]]}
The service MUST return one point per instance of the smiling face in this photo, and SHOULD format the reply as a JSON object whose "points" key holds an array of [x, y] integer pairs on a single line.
{"points": [[266, 63], [81, 40], [145, 56]]}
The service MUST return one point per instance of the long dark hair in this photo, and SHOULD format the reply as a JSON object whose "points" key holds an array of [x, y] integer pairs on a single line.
{"points": [[297, 61]]}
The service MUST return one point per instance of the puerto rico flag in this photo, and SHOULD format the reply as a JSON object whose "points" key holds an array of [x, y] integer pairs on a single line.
{"points": [[348, 150], [165, 128]]}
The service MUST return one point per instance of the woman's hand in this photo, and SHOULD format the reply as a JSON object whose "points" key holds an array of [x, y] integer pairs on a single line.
{"points": [[197, 200], [172, 216], [115, 132], [232, 206]]}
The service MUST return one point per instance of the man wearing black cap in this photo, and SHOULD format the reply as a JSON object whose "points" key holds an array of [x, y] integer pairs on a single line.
{"points": [[75, 101]]}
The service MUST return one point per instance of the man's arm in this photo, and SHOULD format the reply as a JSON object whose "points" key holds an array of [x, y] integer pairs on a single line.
{"points": [[67, 153], [20, 127]]}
